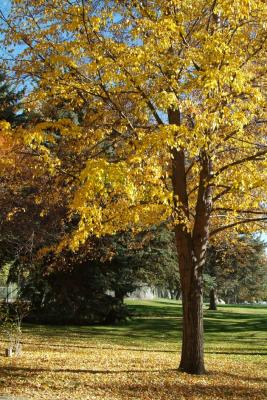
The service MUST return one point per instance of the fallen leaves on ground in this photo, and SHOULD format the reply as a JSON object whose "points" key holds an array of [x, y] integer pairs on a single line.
{"points": [[80, 366]]}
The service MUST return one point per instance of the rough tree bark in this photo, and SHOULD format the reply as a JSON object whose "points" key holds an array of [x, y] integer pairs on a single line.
{"points": [[192, 357], [191, 248]]}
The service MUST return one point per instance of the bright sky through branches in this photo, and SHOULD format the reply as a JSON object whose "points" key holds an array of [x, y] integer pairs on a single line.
{"points": [[5, 6]]}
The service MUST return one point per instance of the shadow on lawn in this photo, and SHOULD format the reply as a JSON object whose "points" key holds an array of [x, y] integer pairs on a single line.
{"points": [[232, 351], [239, 352], [155, 330], [126, 348], [163, 309], [151, 328], [174, 391], [25, 371], [153, 325], [244, 325], [162, 384]]}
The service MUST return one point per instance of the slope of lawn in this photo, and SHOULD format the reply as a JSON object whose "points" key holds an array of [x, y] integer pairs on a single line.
{"points": [[138, 359]]}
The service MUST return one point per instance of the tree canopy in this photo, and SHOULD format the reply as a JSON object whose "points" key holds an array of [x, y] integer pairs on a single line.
{"points": [[207, 61], [173, 96]]}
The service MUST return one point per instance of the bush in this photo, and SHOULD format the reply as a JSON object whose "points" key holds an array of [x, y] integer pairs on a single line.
{"points": [[75, 296]]}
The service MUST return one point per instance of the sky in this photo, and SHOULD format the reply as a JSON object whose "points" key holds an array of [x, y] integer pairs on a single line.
{"points": [[4, 5]]}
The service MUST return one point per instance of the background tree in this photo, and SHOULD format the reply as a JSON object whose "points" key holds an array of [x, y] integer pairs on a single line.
{"points": [[175, 112], [210, 287], [10, 102], [159, 257], [90, 286], [34, 216], [239, 269]]}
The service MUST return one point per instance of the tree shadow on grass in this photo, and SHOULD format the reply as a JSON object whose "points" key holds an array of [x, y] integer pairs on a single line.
{"points": [[19, 371], [232, 332], [174, 391], [162, 309], [159, 386], [238, 325], [152, 322], [241, 353], [125, 348], [25, 371], [140, 329], [242, 377], [231, 351]]}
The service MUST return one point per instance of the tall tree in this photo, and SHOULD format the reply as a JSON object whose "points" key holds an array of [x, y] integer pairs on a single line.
{"points": [[175, 100]]}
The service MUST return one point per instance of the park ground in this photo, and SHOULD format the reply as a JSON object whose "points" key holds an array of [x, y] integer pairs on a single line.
{"points": [[138, 359]]}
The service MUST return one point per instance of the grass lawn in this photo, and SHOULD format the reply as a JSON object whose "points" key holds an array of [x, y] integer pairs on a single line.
{"points": [[138, 359]]}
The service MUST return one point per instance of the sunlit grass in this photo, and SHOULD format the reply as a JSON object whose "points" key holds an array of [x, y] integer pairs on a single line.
{"points": [[138, 359]]}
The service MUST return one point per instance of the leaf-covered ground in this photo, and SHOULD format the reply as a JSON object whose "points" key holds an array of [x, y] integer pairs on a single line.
{"points": [[138, 359]]}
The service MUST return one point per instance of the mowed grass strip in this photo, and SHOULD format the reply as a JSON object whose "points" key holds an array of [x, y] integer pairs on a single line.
{"points": [[138, 359]]}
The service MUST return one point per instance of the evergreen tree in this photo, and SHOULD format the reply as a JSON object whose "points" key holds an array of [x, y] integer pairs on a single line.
{"points": [[10, 102]]}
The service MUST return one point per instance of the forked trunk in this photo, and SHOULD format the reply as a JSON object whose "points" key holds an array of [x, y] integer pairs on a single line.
{"points": [[191, 248]]}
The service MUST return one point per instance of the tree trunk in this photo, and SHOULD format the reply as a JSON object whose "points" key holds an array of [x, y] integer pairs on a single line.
{"points": [[191, 248], [172, 294], [119, 295], [213, 305], [192, 357], [178, 295]]}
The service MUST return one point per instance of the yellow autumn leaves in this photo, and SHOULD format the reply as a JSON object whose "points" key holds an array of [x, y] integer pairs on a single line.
{"points": [[123, 68]]}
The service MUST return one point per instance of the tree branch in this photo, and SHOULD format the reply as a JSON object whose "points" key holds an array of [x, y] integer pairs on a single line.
{"points": [[244, 221], [240, 161]]}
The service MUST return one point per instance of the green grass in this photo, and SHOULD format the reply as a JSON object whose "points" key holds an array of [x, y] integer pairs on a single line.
{"points": [[138, 359], [230, 329], [235, 328]]}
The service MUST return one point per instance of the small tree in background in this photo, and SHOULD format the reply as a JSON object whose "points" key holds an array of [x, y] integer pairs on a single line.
{"points": [[238, 269], [11, 317]]}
